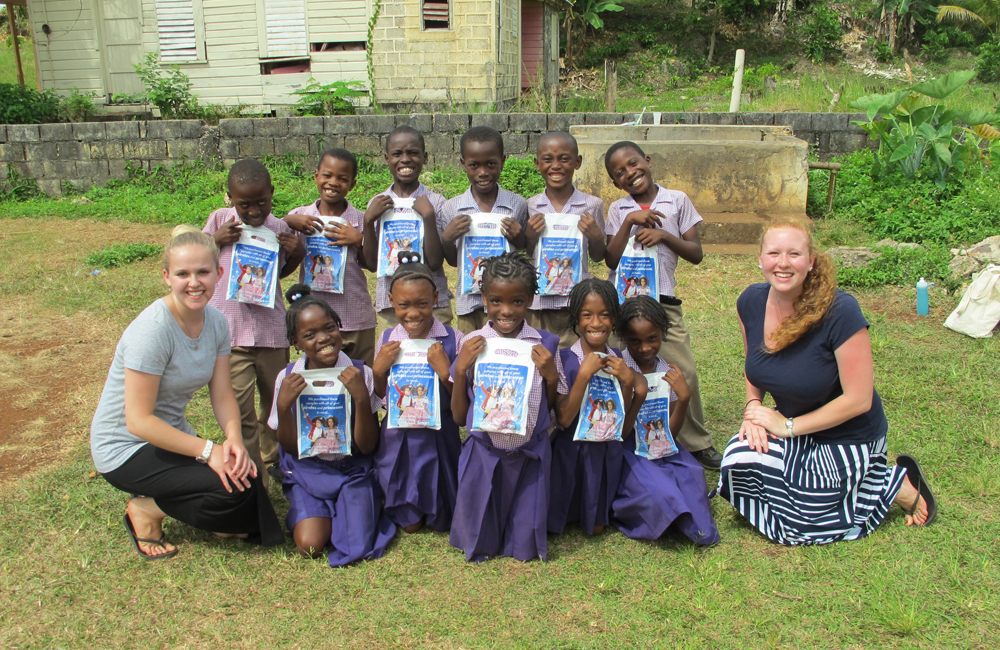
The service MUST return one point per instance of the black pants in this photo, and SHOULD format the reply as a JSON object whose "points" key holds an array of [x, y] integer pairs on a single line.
{"points": [[192, 493]]}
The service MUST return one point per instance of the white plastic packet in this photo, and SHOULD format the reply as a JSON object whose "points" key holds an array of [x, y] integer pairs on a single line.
{"points": [[253, 273], [401, 230], [602, 412], [323, 414], [413, 399], [636, 274], [559, 255], [323, 266], [978, 313], [484, 240], [652, 425], [504, 373]]}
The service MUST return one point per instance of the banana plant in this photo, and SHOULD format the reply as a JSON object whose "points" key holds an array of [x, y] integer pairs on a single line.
{"points": [[911, 132]]}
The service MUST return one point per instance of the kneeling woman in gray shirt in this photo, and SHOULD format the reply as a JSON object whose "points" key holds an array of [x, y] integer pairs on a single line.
{"points": [[140, 439]]}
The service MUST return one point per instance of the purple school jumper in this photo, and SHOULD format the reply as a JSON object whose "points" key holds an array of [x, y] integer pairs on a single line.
{"points": [[585, 475], [346, 490], [654, 495], [502, 504], [418, 468]]}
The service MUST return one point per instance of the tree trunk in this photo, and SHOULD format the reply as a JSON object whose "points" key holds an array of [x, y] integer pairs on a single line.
{"points": [[711, 47]]}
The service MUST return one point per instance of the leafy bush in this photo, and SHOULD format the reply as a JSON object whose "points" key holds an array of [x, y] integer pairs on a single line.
{"points": [[77, 106], [910, 134], [902, 266], [22, 105], [988, 64], [122, 254], [169, 90], [917, 210], [330, 99], [881, 51], [596, 53], [934, 46], [821, 33], [520, 176]]}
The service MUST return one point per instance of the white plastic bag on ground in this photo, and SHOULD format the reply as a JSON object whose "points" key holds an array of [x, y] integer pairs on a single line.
{"points": [[979, 312]]}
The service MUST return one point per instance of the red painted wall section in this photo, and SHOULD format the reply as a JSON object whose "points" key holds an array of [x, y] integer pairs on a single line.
{"points": [[531, 41]]}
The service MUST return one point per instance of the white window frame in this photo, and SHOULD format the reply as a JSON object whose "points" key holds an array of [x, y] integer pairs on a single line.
{"points": [[201, 56]]}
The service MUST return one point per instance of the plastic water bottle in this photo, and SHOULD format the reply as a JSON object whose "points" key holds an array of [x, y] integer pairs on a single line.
{"points": [[923, 302]]}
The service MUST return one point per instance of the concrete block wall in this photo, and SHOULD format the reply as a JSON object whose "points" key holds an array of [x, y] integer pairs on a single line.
{"points": [[438, 66], [77, 156]]}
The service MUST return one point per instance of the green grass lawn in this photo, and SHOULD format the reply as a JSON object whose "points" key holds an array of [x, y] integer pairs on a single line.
{"points": [[70, 578], [8, 67]]}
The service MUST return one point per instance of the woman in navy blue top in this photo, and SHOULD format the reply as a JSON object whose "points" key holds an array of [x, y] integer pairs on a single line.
{"points": [[812, 470]]}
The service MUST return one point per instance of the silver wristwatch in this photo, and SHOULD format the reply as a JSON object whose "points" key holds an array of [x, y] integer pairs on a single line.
{"points": [[788, 425], [206, 453]]}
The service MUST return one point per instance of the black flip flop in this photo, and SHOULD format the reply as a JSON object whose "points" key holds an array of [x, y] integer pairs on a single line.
{"points": [[130, 529], [919, 481]]}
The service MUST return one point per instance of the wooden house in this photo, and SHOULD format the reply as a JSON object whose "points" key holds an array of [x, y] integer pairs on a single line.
{"points": [[424, 53]]}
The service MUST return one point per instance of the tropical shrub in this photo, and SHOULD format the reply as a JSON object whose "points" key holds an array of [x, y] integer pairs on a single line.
{"points": [[330, 99], [911, 133], [22, 105]]}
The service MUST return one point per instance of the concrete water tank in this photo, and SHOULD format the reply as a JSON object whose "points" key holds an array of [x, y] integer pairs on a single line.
{"points": [[736, 176]]}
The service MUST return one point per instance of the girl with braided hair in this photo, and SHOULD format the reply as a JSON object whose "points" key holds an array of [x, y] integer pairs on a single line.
{"points": [[503, 478]]}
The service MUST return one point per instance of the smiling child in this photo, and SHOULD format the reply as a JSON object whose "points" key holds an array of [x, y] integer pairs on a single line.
{"points": [[556, 159], [483, 160], [406, 156], [259, 348], [335, 177], [667, 220]]}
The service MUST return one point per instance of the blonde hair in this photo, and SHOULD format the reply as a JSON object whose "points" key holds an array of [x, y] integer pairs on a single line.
{"points": [[818, 290], [188, 235]]}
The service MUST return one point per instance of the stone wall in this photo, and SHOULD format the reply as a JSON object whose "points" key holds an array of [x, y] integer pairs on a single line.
{"points": [[62, 156]]}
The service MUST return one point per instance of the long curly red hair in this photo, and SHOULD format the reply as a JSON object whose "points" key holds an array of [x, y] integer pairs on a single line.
{"points": [[818, 290]]}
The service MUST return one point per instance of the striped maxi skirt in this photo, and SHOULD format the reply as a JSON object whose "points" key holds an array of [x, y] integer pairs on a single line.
{"points": [[802, 492]]}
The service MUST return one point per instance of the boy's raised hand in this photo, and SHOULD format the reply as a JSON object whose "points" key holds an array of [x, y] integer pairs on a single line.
{"points": [[510, 228], [291, 244], [535, 227], [386, 357], [588, 226], [456, 228], [647, 218], [423, 207], [304, 223], [471, 348], [291, 387], [343, 234], [652, 236], [675, 378], [545, 363], [379, 205], [228, 233]]}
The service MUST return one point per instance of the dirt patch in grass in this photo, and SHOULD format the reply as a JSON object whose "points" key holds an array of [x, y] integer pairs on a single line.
{"points": [[52, 368], [53, 357]]}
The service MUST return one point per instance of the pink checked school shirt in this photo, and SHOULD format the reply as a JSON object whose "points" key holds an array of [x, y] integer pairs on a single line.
{"points": [[354, 306], [681, 217], [577, 204], [250, 326], [440, 281], [511, 441], [508, 203], [343, 361]]}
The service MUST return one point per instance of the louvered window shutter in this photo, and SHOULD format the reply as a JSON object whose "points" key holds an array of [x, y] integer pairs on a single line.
{"points": [[176, 30], [286, 28], [435, 14]]}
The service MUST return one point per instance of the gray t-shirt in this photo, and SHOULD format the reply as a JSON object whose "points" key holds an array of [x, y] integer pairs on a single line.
{"points": [[155, 344]]}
